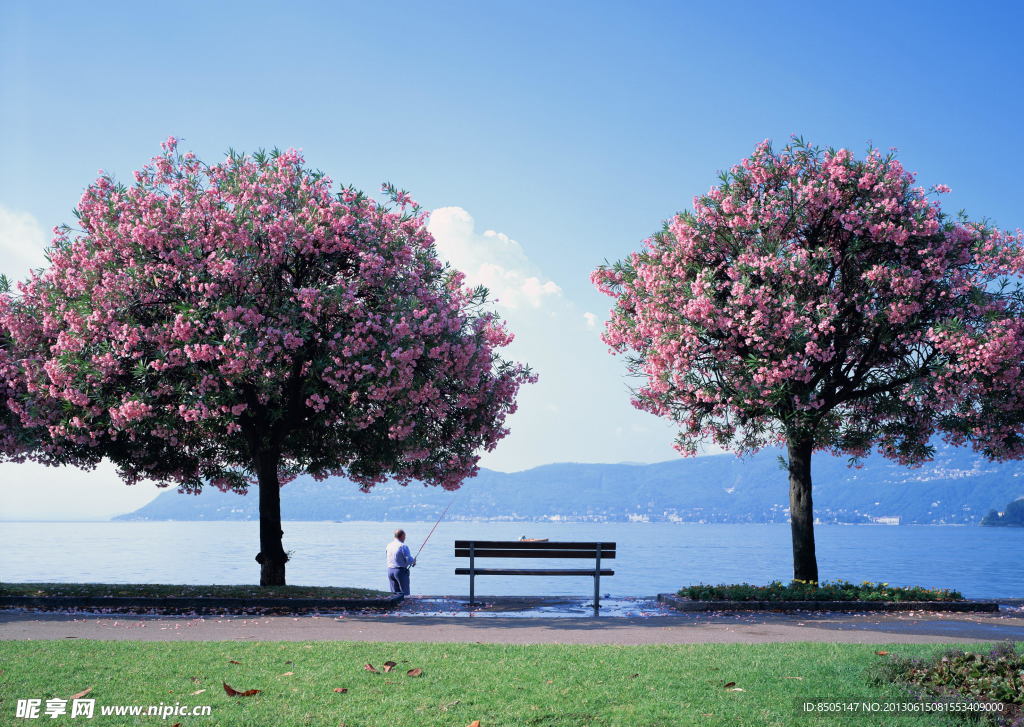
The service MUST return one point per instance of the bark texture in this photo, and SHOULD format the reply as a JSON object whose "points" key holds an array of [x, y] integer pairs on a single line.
{"points": [[271, 557], [801, 510]]}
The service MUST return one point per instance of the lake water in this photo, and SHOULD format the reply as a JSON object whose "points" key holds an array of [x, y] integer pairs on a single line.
{"points": [[652, 557]]}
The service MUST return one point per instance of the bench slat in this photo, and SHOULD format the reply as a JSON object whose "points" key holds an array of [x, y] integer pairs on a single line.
{"points": [[527, 545], [526, 572], [494, 553]]}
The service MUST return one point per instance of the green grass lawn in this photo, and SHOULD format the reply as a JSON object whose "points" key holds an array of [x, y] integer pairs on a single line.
{"points": [[514, 686], [161, 590]]}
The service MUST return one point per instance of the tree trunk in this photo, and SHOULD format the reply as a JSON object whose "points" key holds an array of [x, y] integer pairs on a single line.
{"points": [[801, 510], [271, 556]]}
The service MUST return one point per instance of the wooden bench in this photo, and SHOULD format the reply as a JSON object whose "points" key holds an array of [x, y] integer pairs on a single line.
{"points": [[474, 549]]}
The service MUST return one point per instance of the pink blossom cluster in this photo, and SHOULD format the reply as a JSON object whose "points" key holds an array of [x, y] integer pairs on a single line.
{"points": [[210, 314], [815, 295], [12, 440]]}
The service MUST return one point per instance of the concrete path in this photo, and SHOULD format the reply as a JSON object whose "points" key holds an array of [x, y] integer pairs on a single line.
{"points": [[655, 629]]}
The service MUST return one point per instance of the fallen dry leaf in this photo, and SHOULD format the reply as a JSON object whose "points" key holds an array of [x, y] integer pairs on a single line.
{"points": [[475, 723], [414, 672], [341, 690], [389, 665], [882, 653], [288, 674], [198, 691], [370, 667], [729, 684], [232, 661], [81, 693], [176, 724], [737, 689], [232, 692], [195, 680], [633, 676]]}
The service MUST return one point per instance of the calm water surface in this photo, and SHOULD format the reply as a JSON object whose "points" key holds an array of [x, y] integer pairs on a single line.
{"points": [[652, 557]]}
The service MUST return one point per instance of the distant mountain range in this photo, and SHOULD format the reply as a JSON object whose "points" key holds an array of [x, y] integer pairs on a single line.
{"points": [[959, 486]]}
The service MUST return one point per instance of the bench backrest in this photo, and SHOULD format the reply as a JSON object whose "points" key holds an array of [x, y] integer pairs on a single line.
{"points": [[531, 549]]}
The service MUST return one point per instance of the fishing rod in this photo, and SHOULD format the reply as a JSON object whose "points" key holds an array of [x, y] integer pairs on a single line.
{"points": [[416, 557]]}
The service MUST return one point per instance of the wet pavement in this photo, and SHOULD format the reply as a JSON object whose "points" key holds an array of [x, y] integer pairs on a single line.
{"points": [[530, 607]]}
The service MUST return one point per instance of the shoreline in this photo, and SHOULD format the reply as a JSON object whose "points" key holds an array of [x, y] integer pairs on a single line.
{"points": [[541, 521]]}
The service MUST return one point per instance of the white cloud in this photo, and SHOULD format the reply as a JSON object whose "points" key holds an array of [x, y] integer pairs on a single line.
{"points": [[491, 259], [22, 243], [573, 411]]}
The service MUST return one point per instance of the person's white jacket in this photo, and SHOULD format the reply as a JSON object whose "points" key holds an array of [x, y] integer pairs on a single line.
{"points": [[399, 555]]}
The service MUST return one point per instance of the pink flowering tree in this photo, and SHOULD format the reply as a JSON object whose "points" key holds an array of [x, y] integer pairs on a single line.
{"points": [[23, 428], [10, 425], [824, 302], [240, 324], [16, 440]]}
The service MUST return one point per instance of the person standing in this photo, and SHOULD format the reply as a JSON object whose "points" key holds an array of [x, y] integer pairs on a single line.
{"points": [[399, 561]]}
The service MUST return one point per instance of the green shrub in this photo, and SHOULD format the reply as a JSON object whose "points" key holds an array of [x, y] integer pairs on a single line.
{"points": [[808, 591], [965, 677]]}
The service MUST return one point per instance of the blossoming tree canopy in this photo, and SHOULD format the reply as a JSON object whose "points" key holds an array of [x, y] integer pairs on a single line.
{"points": [[23, 425], [825, 302], [13, 444], [236, 322]]}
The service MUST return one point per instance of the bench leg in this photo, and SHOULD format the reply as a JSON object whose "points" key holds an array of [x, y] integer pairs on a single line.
{"points": [[472, 573], [597, 591]]}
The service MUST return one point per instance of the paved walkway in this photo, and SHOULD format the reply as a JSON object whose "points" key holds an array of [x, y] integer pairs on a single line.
{"points": [[654, 627]]}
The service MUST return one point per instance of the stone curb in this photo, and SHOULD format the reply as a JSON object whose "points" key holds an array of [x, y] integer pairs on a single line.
{"points": [[685, 604], [128, 604]]}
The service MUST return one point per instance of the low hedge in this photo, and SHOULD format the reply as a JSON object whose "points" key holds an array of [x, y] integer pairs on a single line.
{"points": [[809, 591]]}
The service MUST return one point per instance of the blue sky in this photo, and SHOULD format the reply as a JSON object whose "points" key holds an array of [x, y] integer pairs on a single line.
{"points": [[566, 130]]}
